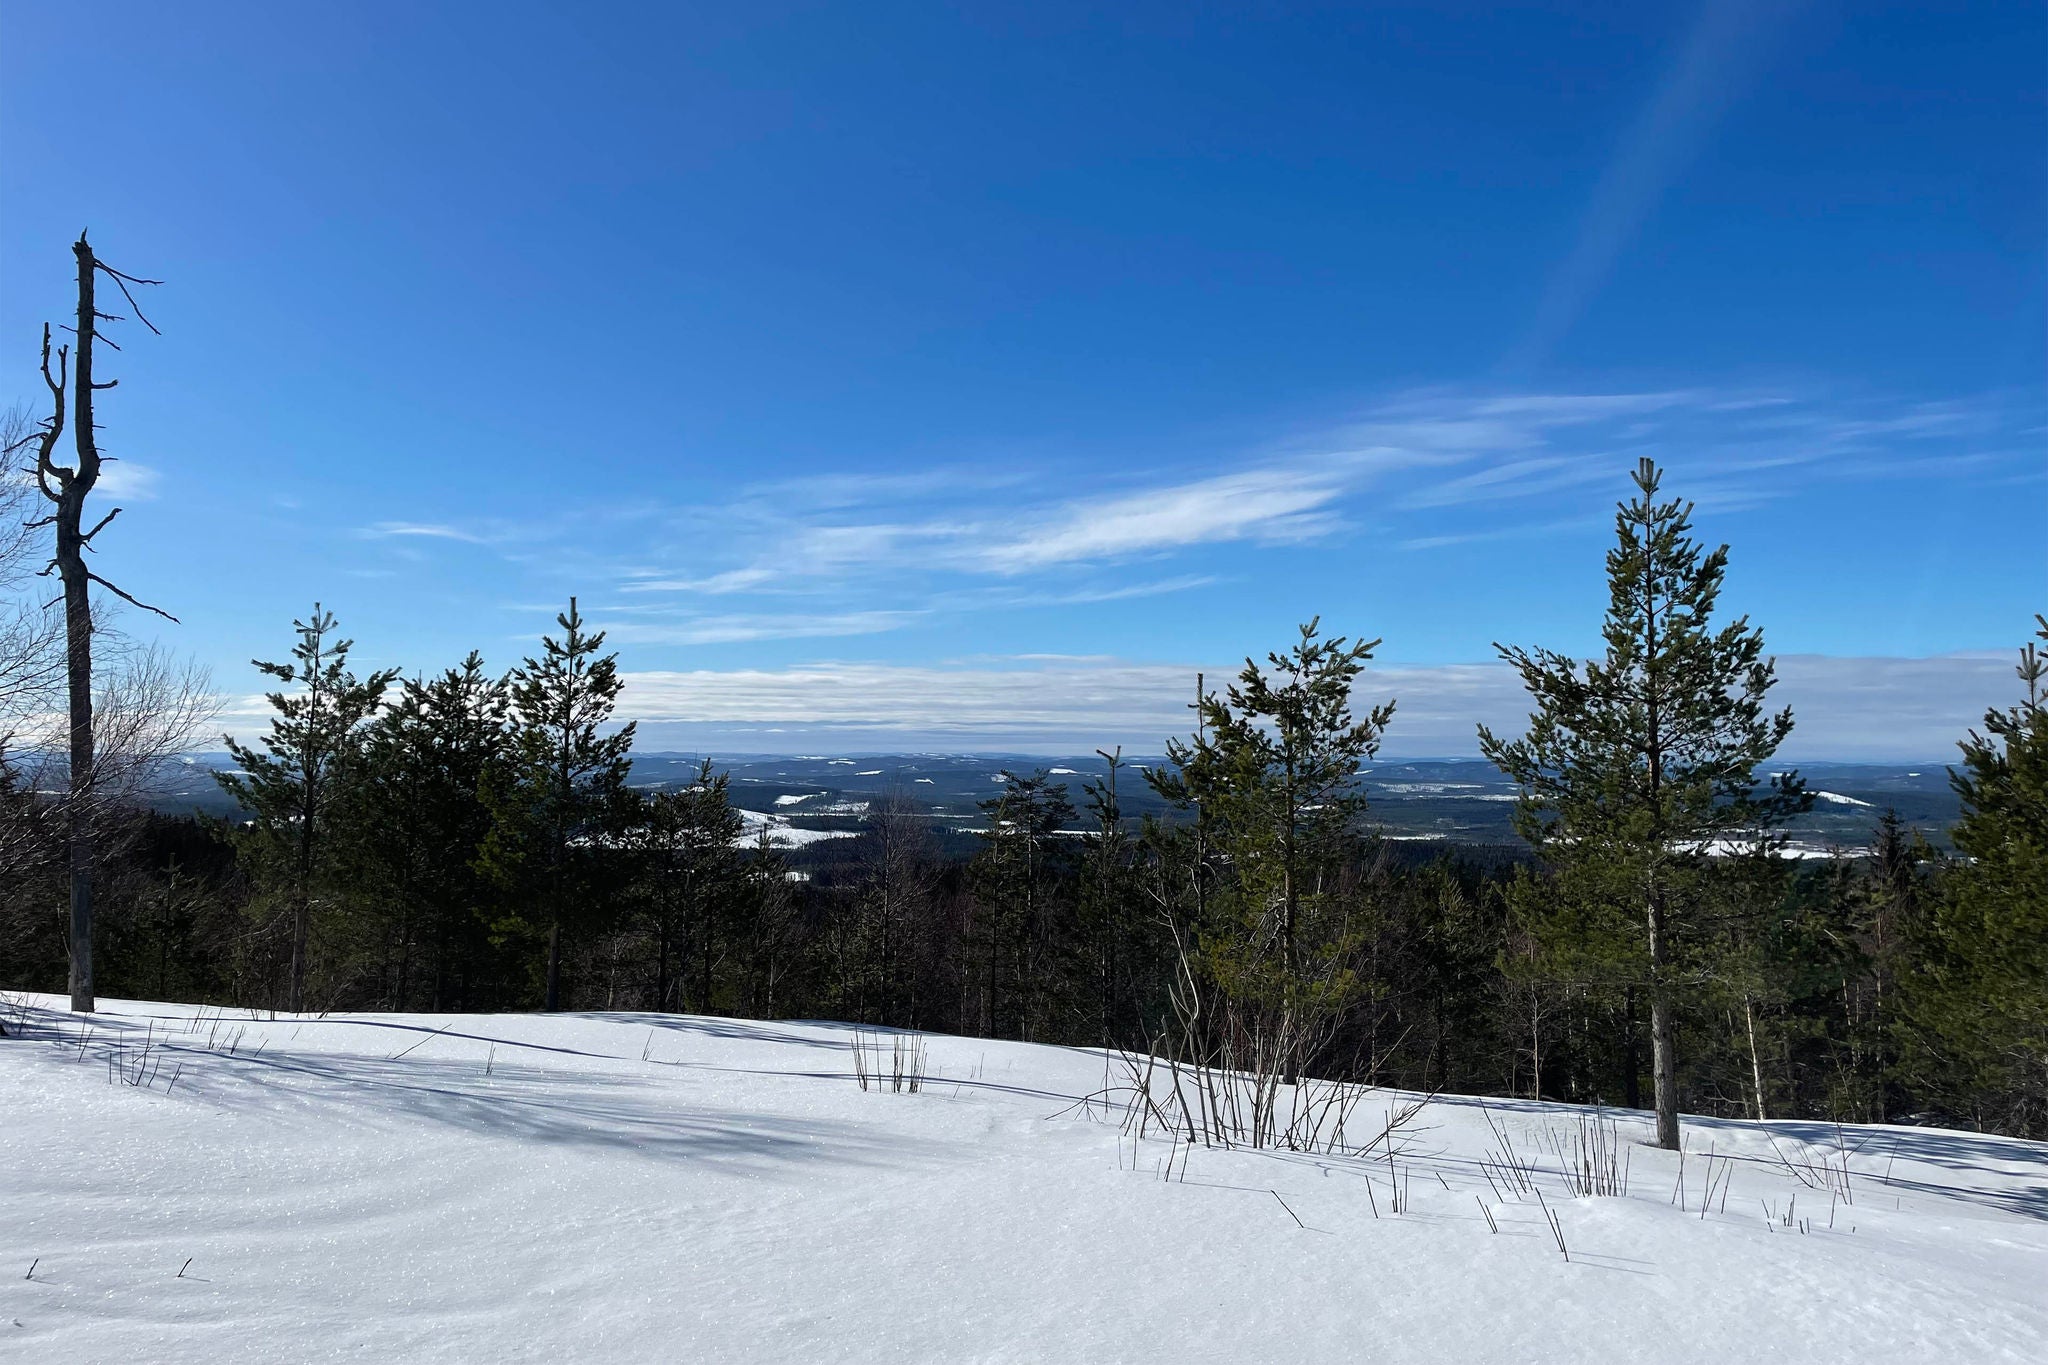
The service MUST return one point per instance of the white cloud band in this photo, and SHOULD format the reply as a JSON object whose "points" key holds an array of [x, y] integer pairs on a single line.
{"points": [[1847, 709]]}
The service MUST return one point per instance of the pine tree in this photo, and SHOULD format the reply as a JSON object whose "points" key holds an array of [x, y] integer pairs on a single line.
{"points": [[416, 824], [1883, 898], [291, 787], [1108, 897], [1643, 759], [1770, 949], [563, 792], [770, 927], [1017, 879], [1274, 770], [1978, 1017], [689, 876], [884, 946]]}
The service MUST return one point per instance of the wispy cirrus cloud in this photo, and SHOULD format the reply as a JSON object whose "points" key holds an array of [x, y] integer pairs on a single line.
{"points": [[1273, 504], [1267, 505], [404, 530], [1086, 595], [1721, 54], [711, 585], [1514, 479], [858, 488], [854, 553], [741, 627]]}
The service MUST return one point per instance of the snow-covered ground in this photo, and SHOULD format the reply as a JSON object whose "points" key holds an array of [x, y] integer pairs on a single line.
{"points": [[664, 1188]]}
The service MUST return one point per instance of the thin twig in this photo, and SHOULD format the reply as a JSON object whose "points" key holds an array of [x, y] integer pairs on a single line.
{"points": [[1290, 1212]]}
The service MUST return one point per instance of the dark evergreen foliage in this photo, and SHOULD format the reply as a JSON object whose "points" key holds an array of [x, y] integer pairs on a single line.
{"points": [[560, 797], [1022, 937], [294, 783], [1975, 1021]]}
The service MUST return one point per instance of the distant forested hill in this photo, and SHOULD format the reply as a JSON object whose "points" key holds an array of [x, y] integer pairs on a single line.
{"points": [[1463, 801]]}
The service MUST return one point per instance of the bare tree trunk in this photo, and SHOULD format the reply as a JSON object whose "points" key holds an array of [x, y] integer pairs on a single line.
{"points": [[554, 994], [1662, 1052], [661, 934], [441, 960], [704, 952], [71, 543], [78, 634], [1632, 1060], [1756, 1070], [302, 907], [1291, 1073]]}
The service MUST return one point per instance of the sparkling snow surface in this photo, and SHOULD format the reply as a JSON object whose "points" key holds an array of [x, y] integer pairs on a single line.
{"points": [[663, 1188]]}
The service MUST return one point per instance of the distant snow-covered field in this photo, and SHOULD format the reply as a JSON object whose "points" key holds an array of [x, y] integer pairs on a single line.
{"points": [[184, 1184]]}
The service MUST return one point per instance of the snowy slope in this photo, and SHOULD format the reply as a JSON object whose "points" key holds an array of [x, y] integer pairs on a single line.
{"points": [[643, 1188]]}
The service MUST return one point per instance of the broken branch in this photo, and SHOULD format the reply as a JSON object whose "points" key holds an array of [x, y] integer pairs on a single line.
{"points": [[128, 598]]}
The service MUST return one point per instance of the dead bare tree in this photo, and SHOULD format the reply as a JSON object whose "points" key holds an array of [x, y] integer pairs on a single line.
{"points": [[66, 488]]}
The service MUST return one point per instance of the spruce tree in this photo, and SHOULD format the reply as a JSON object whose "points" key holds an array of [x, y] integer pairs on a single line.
{"points": [[563, 793], [1641, 760], [292, 785]]}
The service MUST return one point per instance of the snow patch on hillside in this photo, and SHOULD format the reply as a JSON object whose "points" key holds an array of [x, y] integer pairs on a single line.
{"points": [[781, 833]]}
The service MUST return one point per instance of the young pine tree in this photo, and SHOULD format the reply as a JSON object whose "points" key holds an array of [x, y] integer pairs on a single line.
{"points": [[1640, 760], [562, 794], [1274, 769], [293, 784]]}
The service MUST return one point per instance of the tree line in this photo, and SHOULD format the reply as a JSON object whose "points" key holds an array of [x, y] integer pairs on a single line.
{"points": [[472, 841]]}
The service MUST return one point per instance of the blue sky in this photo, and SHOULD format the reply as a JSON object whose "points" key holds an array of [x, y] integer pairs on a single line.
{"points": [[887, 375]]}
